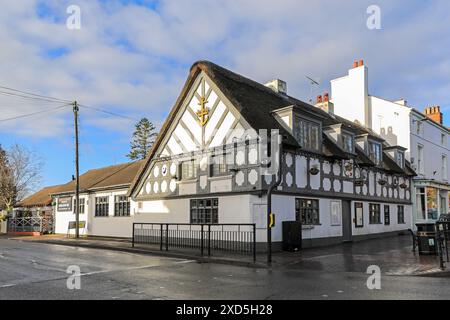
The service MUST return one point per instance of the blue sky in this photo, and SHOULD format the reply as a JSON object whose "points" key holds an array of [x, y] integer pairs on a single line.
{"points": [[132, 57]]}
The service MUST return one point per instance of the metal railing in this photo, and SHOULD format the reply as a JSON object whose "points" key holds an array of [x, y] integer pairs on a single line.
{"points": [[208, 238], [31, 224]]}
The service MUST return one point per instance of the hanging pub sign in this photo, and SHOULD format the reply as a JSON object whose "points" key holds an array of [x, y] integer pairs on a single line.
{"points": [[64, 204], [348, 168]]}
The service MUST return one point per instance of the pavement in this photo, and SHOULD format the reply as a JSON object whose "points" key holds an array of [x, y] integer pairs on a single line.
{"points": [[35, 270]]}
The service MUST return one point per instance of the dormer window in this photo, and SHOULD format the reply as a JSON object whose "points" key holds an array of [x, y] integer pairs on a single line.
{"points": [[307, 134], [375, 152], [400, 159], [347, 142], [397, 153]]}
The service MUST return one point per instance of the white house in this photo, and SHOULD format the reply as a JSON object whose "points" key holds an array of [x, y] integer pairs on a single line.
{"points": [[339, 179], [423, 135], [105, 208]]}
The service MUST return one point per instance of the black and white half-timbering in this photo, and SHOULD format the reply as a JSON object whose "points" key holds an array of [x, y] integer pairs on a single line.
{"points": [[210, 164]]}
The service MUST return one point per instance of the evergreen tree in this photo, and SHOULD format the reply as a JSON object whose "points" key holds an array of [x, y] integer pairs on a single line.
{"points": [[142, 140]]}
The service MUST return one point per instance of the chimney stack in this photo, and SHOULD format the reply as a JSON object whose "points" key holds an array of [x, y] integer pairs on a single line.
{"points": [[319, 99], [357, 63], [434, 113], [323, 102]]}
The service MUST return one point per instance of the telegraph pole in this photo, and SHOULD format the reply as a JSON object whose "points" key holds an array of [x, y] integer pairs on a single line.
{"points": [[272, 187], [77, 173]]}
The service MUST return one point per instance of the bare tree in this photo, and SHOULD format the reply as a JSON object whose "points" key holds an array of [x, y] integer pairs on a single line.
{"points": [[19, 175]]}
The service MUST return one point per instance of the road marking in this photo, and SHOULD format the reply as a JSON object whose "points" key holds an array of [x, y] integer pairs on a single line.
{"points": [[7, 285], [132, 268]]}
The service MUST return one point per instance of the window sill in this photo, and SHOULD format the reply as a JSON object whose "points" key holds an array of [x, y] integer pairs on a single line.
{"points": [[310, 226], [222, 177], [114, 216], [187, 181], [375, 223]]}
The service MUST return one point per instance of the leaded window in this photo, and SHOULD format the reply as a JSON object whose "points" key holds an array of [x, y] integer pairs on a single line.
{"points": [[81, 209], [307, 134], [307, 211], [374, 213], [121, 206], [101, 206], [218, 165], [205, 210], [347, 142], [188, 170], [375, 152]]}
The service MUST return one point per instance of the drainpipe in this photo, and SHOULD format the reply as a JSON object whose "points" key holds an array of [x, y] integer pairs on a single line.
{"points": [[269, 199]]}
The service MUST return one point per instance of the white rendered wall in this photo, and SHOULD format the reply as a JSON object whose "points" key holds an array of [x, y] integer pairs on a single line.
{"points": [[350, 95], [379, 228], [392, 122]]}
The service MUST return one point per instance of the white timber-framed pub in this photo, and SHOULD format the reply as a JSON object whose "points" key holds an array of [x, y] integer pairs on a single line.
{"points": [[342, 181]]}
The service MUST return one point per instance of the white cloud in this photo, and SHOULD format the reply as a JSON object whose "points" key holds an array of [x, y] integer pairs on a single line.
{"points": [[134, 60]]}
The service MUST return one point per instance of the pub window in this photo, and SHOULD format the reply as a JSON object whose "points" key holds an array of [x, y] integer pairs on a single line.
{"points": [[101, 206], [307, 211], [401, 214], [218, 165], [81, 210], [359, 215], [307, 134], [347, 142], [205, 210], [121, 206], [375, 152], [387, 215], [374, 213], [188, 170]]}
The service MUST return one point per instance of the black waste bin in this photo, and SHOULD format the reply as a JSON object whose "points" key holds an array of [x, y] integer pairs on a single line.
{"points": [[426, 238], [292, 236]]}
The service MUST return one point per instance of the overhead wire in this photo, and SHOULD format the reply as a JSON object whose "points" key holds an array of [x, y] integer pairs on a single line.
{"points": [[35, 113]]}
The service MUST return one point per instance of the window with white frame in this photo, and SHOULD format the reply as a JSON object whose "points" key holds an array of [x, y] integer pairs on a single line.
{"points": [[101, 206], [121, 206], [420, 203], [81, 208], [188, 169], [347, 142], [375, 152], [444, 167], [419, 126], [420, 158], [400, 159]]}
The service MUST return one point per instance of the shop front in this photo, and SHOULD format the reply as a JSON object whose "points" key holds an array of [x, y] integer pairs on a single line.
{"points": [[432, 200]]}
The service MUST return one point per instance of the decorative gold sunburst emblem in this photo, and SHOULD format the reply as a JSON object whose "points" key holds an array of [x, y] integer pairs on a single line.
{"points": [[203, 113]]}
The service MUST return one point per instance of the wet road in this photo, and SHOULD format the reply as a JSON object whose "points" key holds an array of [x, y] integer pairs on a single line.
{"points": [[38, 271]]}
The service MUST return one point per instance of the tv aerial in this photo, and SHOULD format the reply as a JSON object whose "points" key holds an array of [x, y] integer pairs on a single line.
{"points": [[312, 83]]}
